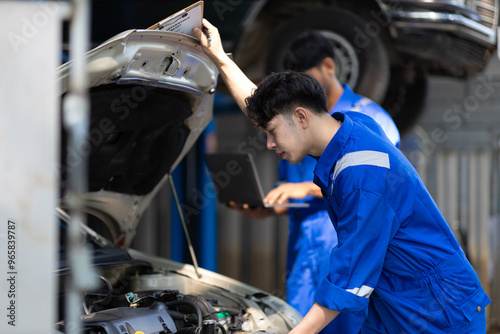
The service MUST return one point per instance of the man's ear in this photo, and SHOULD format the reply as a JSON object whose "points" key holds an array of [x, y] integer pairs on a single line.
{"points": [[329, 64], [302, 116]]}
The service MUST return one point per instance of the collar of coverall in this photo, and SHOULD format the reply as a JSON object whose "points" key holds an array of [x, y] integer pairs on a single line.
{"points": [[333, 149]]}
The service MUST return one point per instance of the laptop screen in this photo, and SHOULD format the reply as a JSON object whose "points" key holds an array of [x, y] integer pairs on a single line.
{"points": [[236, 179]]}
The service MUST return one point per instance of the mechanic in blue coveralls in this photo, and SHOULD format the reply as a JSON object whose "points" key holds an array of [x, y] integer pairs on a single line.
{"points": [[311, 233], [310, 230], [396, 256]]}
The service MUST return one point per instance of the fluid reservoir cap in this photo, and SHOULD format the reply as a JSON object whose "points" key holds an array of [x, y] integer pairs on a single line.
{"points": [[139, 332]]}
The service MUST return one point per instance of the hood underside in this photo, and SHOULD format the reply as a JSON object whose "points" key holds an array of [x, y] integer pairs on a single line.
{"points": [[151, 96], [133, 148]]}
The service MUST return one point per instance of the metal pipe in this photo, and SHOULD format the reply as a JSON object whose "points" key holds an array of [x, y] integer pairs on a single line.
{"points": [[181, 214], [76, 121], [494, 308]]}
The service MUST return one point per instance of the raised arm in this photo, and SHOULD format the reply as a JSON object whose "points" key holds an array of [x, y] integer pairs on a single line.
{"points": [[237, 82]]}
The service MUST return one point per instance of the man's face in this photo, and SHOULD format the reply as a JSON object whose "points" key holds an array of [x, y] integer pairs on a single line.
{"points": [[286, 138]]}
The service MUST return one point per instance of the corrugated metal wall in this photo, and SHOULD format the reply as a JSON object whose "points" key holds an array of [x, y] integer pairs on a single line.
{"points": [[456, 151]]}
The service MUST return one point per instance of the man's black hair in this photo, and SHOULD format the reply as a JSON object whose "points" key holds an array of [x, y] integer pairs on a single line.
{"points": [[307, 51], [281, 93]]}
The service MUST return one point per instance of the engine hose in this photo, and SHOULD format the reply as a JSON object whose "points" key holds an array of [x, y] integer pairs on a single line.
{"points": [[193, 305], [207, 309], [107, 299], [176, 315], [190, 330], [222, 329]]}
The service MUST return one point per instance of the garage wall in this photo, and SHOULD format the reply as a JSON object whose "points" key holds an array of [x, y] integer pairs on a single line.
{"points": [[455, 148]]}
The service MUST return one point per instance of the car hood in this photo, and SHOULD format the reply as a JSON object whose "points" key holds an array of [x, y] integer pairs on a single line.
{"points": [[151, 96]]}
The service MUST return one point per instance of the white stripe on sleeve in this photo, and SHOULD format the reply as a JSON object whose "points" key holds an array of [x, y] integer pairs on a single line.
{"points": [[372, 158], [364, 291]]}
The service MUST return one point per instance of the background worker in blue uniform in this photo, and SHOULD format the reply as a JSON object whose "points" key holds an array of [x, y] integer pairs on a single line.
{"points": [[396, 255], [311, 234]]}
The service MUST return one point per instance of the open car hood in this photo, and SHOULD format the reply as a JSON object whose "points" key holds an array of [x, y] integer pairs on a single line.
{"points": [[151, 96]]}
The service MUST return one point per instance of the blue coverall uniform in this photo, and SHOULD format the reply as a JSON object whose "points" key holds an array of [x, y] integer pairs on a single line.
{"points": [[311, 233], [396, 255]]}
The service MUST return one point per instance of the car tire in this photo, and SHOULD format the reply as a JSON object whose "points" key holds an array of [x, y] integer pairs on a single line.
{"points": [[361, 58], [405, 97]]}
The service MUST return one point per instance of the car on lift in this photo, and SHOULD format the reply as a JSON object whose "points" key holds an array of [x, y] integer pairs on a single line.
{"points": [[151, 96], [385, 49]]}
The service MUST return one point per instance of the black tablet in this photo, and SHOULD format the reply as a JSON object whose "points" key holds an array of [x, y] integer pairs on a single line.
{"points": [[236, 179]]}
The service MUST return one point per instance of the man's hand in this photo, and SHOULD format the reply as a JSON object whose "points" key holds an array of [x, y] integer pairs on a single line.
{"points": [[212, 48], [285, 191]]}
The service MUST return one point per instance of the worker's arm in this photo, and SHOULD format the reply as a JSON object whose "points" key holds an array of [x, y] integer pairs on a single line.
{"points": [[237, 82], [315, 320]]}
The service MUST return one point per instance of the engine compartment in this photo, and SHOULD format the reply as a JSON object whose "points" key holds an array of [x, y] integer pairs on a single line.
{"points": [[144, 293], [141, 293], [162, 311], [121, 305], [137, 296]]}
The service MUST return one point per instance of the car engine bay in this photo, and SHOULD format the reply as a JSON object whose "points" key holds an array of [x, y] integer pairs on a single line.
{"points": [[161, 311], [143, 293]]}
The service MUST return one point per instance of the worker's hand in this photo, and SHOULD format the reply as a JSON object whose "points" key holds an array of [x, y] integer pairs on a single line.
{"points": [[212, 48], [315, 320], [258, 212], [285, 191]]}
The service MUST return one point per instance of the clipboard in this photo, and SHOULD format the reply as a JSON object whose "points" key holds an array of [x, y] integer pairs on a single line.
{"points": [[236, 179], [183, 21]]}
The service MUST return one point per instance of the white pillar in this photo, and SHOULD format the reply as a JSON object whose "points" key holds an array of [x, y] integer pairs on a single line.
{"points": [[30, 46]]}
